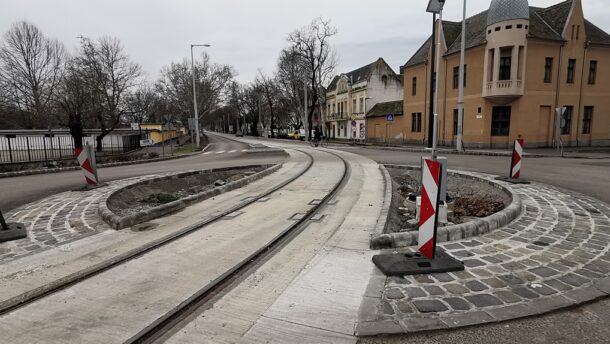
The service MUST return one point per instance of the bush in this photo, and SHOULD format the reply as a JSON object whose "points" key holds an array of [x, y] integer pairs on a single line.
{"points": [[153, 155]]}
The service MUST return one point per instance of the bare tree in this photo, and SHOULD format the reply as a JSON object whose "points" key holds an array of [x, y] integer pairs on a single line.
{"points": [[291, 81], [142, 104], [212, 82], [75, 100], [109, 74], [30, 71], [311, 44], [271, 94]]}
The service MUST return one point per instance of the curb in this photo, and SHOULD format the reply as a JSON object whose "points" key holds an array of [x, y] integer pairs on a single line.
{"points": [[596, 291], [454, 152], [111, 164], [119, 222], [454, 232]]}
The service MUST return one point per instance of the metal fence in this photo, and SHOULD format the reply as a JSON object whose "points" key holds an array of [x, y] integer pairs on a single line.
{"points": [[25, 146]]}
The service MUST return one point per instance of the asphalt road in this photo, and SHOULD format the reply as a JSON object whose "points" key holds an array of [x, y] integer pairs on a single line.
{"points": [[17, 191], [588, 176]]}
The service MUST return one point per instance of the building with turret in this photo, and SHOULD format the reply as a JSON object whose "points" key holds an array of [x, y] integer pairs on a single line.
{"points": [[522, 63]]}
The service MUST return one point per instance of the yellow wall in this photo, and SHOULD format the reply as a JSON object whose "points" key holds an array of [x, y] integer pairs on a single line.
{"points": [[533, 113]]}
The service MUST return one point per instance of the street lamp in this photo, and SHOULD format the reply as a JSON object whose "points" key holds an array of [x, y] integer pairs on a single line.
{"points": [[195, 91], [460, 129], [434, 7]]}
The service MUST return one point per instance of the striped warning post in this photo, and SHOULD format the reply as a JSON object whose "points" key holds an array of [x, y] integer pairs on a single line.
{"points": [[87, 164], [515, 165], [428, 216]]}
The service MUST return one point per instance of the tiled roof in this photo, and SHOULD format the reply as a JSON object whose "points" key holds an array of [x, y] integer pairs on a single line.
{"points": [[358, 75], [596, 35], [383, 109], [545, 23]]}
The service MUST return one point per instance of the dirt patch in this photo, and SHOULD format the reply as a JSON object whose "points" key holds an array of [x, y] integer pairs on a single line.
{"points": [[142, 197], [467, 199]]}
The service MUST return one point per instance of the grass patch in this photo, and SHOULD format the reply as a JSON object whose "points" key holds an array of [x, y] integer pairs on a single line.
{"points": [[188, 148], [160, 198]]}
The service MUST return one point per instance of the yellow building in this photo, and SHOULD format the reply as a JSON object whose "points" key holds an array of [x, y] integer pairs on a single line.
{"points": [[157, 133], [522, 63]]}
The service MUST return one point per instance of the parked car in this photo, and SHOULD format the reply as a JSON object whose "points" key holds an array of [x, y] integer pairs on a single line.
{"points": [[297, 134]]}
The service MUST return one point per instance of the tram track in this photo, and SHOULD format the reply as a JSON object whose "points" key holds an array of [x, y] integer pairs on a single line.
{"points": [[75, 278], [176, 315], [205, 297]]}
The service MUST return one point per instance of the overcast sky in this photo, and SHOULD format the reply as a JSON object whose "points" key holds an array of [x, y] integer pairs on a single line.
{"points": [[248, 34]]}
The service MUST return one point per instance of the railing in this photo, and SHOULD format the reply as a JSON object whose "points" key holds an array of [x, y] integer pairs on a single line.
{"points": [[26, 146], [504, 87], [336, 115]]}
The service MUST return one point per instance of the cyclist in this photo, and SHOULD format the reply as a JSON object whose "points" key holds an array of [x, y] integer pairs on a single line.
{"points": [[317, 136]]}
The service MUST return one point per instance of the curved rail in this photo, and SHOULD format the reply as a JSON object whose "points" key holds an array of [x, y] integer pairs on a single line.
{"points": [[206, 296], [73, 279]]}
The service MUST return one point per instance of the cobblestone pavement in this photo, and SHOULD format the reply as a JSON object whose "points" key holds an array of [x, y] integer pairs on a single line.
{"points": [[62, 218], [554, 256]]}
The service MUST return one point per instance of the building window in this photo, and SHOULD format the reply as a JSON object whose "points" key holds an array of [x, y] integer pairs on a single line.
{"points": [[519, 26], [592, 72], [414, 87], [571, 66], [354, 110], [500, 121], [577, 32], [586, 120], [548, 70], [362, 109], [567, 123], [455, 121], [416, 122], [505, 63], [456, 76], [508, 27]]}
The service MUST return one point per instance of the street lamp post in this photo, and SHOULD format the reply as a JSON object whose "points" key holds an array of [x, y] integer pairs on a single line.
{"points": [[436, 6], [460, 124], [198, 139]]}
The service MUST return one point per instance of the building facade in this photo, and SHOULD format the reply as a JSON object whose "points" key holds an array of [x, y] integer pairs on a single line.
{"points": [[521, 64], [349, 96]]}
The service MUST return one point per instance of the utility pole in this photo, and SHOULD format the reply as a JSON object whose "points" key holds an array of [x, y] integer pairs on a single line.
{"points": [[460, 123], [306, 124], [432, 84]]}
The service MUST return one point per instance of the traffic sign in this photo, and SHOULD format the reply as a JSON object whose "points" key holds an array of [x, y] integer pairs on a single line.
{"points": [[135, 126], [390, 117]]}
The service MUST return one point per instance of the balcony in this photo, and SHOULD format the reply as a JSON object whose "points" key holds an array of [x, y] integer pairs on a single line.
{"points": [[505, 90], [337, 116]]}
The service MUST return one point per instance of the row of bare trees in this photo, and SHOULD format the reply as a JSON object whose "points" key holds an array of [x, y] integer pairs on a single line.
{"points": [[44, 86], [303, 67]]}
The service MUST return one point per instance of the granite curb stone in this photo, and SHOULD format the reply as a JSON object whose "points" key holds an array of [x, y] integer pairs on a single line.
{"points": [[459, 231]]}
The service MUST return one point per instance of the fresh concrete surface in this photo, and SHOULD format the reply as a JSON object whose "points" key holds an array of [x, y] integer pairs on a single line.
{"points": [[311, 291], [117, 304], [31, 274]]}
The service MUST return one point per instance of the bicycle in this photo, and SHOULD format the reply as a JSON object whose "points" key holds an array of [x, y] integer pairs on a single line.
{"points": [[321, 142]]}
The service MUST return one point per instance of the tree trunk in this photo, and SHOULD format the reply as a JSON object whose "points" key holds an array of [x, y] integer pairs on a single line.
{"points": [[76, 131]]}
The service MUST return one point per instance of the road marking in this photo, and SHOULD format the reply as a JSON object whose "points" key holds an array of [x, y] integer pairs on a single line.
{"points": [[206, 153], [244, 150], [233, 151], [220, 152]]}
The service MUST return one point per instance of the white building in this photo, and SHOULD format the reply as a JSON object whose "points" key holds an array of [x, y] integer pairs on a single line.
{"points": [[351, 95]]}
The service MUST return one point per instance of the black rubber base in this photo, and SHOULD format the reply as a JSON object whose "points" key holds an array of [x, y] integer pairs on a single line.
{"points": [[402, 264], [513, 180], [15, 231], [90, 187]]}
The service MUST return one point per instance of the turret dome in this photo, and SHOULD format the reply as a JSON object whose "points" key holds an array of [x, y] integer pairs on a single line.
{"points": [[502, 10]]}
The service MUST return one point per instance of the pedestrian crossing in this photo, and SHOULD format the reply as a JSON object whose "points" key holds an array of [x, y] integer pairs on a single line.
{"points": [[233, 151]]}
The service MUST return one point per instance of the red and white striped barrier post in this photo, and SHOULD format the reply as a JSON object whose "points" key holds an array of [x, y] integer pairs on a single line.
{"points": [[515, 165], [86, 160], [428, 216]]}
